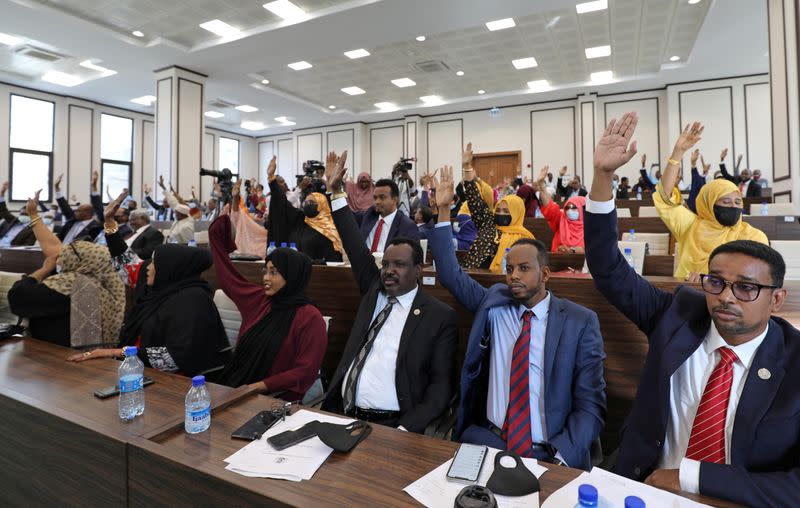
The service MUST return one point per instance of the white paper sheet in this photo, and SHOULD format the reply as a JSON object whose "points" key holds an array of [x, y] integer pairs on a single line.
{"points": [[434, 490], [614, 489], [296, 463]]}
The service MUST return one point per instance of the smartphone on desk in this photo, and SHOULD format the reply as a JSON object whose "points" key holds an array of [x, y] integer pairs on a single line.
{"points": [[467, 463], [110, 391], [292, 437], [255, 427]]}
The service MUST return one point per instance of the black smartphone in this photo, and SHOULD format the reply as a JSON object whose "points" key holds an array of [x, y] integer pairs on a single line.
{"points": [[255, 427], [110, 391], [293, 437]]}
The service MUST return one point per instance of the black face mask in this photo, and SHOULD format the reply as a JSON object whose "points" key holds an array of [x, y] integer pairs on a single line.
{"points": [[310, 210], [502, 219], [727, 215], [343, 438], [512, 481]]}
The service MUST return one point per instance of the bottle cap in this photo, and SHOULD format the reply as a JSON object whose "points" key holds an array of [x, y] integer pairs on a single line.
{"points": [[283, 244], [634, 502], [632, 231], [627, 251], [587, 495], [198, 381], [272, 244], [131, 350]]}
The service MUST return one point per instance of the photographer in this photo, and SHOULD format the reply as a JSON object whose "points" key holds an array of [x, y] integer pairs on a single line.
{"points": [[224, 182], [405, 185]]}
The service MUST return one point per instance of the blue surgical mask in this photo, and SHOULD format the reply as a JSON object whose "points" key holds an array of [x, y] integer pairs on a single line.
{"points": [[24, 219], [573, 214], [47, 221]]}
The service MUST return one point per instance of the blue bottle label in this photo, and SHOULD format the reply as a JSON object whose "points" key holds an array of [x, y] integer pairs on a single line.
{"points": [[200, 415], [130, 385]]}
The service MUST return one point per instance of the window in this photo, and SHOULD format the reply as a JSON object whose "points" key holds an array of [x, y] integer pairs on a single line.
{"points": [[31, 147], [116, 154], [229, 154]]}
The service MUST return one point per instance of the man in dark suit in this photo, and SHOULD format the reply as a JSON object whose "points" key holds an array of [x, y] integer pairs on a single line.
{"points": [[532, 380], [383, 222], [717, 411], [163, 211], [144, 238], [86, 222], [397, 366], [572, 189], [122, 216], [14, 231], [747, 186]]}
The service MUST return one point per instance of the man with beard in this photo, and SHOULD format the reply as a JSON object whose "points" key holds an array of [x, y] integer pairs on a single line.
{"points": [[717, 411], [532, 380], [397, 365]]}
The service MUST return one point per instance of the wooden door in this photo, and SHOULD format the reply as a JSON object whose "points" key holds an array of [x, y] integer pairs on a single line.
{"points": [[494, 167]]}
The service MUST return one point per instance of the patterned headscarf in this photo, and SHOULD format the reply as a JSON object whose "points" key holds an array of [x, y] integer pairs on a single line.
{"points": [[88, 277], [323, 222]]}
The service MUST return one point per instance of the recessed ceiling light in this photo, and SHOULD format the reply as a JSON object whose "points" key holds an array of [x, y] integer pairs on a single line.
{"points": [[220, 28], [286, 10], [598, 51], [481, 92], [284, 120], [356, 53], [244, 108], [144, 100], [89, 65], [597, 5], [299, 66], [524, 63], [421, 38], [692, 2], [137, 33], [61, 78], [501, 24], [403, 82], [386, 106], [353, 90], [331, 107], [9, 40], [540, 85], [253, 126], [674, 58], [460, 73], [602, 77], [264, 81], [432, 100], [214, 114]]}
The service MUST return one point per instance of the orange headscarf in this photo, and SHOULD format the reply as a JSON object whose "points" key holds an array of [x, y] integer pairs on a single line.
{"points": [[323, 222]]}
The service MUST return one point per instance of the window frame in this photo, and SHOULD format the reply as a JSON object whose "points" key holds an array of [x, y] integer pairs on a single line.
{"points": [[102, 188], [238, 154], [11, 150]]}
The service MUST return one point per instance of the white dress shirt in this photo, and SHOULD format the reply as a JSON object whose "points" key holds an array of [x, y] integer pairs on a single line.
{"points": [[506, 325], [136, 234], [387, 225], [376, 384]]}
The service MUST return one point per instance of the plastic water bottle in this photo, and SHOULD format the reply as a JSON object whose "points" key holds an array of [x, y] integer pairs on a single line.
{"points": [[639, 195], [293, 246], [588, 498], [629, 258], [192, 243], [504, 260], [271, 247], [764, 209], [455, 243], [198, 407], [131, 390], [283, 245], [634, 502], [632, 235]]}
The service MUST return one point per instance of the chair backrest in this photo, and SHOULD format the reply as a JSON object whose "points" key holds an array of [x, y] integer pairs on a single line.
{"points": [[623, 212], [790, 250], [648, 211], [773, 209], [657, 243], [231, 318], [7, 279], [637, 251], [201, 236]]}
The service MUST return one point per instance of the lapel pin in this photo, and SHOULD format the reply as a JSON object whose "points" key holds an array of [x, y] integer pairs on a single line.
{"points": [[416, 312], [764, 373]]}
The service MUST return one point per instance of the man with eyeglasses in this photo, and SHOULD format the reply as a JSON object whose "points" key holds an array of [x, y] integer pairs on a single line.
{"points": [[717, 411]]}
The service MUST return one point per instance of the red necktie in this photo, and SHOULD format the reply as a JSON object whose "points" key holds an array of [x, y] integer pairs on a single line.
{"points": [[517, 427], [377, 238], [707, 441]]}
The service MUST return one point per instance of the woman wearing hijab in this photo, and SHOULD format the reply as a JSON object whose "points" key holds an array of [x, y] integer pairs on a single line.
{"points": [[82, 305], [465, 231], [311, 228], [359, 193], [718, 219], [282, 339], [528, 195], [497, 231], [175, 324], [567, 224], [486, 194]]}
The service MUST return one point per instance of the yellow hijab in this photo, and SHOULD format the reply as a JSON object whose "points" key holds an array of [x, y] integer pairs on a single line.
{"points": [[323, 222], [510, 233], [487, 193], [706, 234]]}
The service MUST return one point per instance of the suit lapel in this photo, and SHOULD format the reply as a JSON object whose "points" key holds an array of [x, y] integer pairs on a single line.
{"points": [[758, 393], [555, 325], [684, 342], [353, 345], [415, 315]]}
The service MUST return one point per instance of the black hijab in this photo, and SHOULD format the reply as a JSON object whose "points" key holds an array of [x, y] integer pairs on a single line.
{"points": [[258, 347], [178, 267]]}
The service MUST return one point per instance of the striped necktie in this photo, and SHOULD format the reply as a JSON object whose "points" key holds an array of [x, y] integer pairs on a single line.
{"points": [[517, 427]]}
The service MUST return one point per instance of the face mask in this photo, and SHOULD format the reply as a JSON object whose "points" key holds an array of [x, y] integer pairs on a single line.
{"points": [[512, 481], [310, 210], [756, 177], [343, 438], [47, 221], [727, 215], [573, 214], [453, 206], [502, 219], [24, 219]]}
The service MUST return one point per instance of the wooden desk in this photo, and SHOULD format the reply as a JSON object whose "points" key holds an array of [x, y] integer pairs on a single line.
{"points": [[20, 260], [185, 468]]}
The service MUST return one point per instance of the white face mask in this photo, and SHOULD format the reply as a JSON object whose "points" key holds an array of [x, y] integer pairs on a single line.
{"points": [[47, 221], [573, 214], [24, 219], [58, 268]]}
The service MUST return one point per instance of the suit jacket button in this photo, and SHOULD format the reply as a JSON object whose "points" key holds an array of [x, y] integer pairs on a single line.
{"points": [[637, 471], [658, 444]]}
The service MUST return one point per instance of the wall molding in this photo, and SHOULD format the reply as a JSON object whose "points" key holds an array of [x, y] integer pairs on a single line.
{"points": [[574, 137], [428, 138], [729, 88], [747, 125], [297, 149], [402, 140], [658, 115], [69, 142]]}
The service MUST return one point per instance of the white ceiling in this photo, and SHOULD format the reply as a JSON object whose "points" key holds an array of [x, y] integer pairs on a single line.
{"points": [[643, 34]]}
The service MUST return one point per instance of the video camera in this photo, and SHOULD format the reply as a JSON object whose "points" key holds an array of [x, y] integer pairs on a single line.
{"points": [[310, 169], [224, 179], [404, 165]]}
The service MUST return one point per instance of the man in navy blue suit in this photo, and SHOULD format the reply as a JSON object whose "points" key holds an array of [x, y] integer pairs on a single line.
{"points": [[718, 406], [532, 380], [383, 222]]}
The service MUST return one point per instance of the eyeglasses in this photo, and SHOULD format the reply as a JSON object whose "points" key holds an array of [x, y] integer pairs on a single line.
{"points": [[743, 291]]}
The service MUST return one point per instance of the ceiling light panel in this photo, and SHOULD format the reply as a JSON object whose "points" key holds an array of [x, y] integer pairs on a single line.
{"points": [[9, 40], [144, 100], [62, 78], [356, 53], [597, 5], [245, 108], [500, 24], [403, 82], [353, 90], [89, 65], [431, 100], [598, 52], [253, 126], [524, 63], [602, 77], [220, 28], [286, 10], [214, 114], [540, 85], [386, 106], [300, 66]]}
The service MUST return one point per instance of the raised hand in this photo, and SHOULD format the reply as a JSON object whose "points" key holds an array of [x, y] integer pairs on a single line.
{"points": [[32, 207], [706, 167], [695, 155], [36, 195], [335, 171], [272, 167], [147, 190], [161, 182], [236, 189], [562, 171], [95, 178], [739, 160], [3, 189], [466, 157], [444, 188], [57, 183], [613, 149], [112, 207], [723, 154], [689, 137], [543, 174]]}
